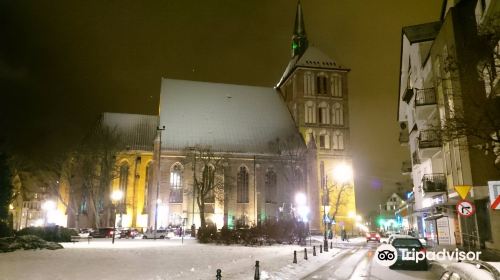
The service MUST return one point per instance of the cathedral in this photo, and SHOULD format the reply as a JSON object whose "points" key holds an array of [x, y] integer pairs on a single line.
{"points": [[279, 142]]}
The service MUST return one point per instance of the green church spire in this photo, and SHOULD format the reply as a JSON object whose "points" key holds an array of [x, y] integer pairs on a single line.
{"points": [[299, 37]]}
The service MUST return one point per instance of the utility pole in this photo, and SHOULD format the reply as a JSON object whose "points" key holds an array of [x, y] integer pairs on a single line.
{"points": [[158, 183]]}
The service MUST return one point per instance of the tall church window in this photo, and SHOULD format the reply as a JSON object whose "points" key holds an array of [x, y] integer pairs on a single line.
{"points": [[309, 114], [271, 186], [336, 85], [83, 204], [242, 185], [321, 84], [323, 113], [338, 140], [209, 174], [123, 180], [337, 114], [147, 187], [176, 183], [308, 84]]}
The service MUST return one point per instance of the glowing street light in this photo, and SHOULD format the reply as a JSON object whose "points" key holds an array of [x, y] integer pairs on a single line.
{"points": [[116, 196]]}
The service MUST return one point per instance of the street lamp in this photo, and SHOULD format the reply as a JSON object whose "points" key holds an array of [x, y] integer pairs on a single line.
{"points": [[302, 208], [160, 129], [116, 196], [48, 206], [326, 210]]}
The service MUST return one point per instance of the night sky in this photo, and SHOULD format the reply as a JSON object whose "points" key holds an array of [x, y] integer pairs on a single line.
{"points": [[64, 62]]}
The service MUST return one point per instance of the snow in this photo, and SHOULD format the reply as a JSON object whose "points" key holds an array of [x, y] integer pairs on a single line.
{"points": [[158, 260]]}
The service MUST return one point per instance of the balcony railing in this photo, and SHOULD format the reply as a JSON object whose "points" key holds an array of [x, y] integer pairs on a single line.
{"points": [[408, 95], [426, 96], [435, 182], [429, 139]]}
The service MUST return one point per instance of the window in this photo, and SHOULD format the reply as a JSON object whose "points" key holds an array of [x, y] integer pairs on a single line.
{"points": [[309, 135], [337, 114], [487, 80], [242, 185], [123, 180], [83, 205], [271, 186], [309, 115], [209, 174], [308, 84], [323, 113], [176, 183], [321, 84], [147, 187], [338, 140], [336, 85], [324, 140]]}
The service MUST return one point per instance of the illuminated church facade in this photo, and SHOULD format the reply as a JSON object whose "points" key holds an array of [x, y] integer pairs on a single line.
{"points": [[243, 123]]}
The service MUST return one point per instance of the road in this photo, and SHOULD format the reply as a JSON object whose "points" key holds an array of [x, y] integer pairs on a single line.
{"points": [[356, 261]]}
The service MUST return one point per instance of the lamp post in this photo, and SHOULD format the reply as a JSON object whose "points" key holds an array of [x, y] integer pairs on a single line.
{"points": [[160, 129], [116, 196], [48, 206], [326, 204], [302, 208]]}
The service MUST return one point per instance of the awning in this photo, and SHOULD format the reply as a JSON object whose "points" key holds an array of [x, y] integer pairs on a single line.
{"points": [[435, 217]]}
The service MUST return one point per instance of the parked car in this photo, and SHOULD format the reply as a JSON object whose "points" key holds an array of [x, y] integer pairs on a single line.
{"points": [[160, 234], [85, 232], [128, 233], [472, 270], [372, 236], [102, 232], [404, 243]]}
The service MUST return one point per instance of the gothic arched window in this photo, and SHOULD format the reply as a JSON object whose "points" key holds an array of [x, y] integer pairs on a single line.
{"points": [[271, 186], [242, 185], [176, 183], [123, 180], [147, 186], [321, 84], [308, 83], [336, 85], [338, 140], [309, 113], [337, 114], [323, 113]]}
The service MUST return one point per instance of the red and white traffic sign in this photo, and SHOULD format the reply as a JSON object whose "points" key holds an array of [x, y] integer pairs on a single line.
{"points": [[466, 208], [496, 204]]}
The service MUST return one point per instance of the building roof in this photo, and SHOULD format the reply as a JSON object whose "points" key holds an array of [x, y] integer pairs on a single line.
{"points": [[137, 131], [312, 58], [228, 118], [422, 32]]}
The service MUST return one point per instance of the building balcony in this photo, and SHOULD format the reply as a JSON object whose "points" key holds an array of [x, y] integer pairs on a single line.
{"points": [[433, 184], [429, 143], [406, 167], [425, 103]]}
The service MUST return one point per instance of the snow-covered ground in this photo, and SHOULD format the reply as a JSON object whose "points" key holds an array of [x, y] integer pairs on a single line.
{"points": [[160, 259]]}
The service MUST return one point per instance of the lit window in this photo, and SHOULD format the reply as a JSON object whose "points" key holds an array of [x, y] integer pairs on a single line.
{"points": [[337, 114], [176, 184], [242, 185]]}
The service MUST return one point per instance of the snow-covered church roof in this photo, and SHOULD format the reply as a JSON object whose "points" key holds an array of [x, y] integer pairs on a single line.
{"points": [[228, 118]]}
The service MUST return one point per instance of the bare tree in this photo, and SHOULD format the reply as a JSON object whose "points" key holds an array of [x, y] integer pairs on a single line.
{"points": [[474, 114], [290, 163], [209, 181]]}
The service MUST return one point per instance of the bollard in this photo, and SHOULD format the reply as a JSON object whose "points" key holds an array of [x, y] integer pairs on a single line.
{"points": [[305, 254], [294, 256], [219, 275], [320, 249], [257, 272], [331, 244], [314, 251]]}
